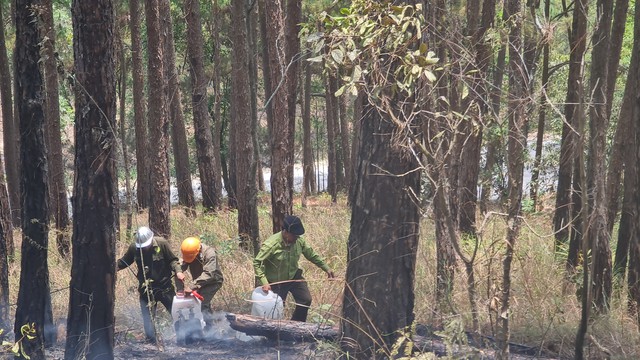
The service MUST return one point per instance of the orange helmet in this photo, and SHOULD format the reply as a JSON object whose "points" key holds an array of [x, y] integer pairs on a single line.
{"points": [[190, 248]]}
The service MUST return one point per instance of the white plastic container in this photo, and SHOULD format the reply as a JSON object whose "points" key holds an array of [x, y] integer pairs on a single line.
{"points": [[267, 305], [187, 319]]}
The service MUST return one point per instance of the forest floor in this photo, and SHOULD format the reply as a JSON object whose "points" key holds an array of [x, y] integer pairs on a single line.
{"points": [[223, 343], [230, 349]]}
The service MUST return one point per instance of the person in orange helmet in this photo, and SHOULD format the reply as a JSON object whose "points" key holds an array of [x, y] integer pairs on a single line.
{"points": [[202, 263]]}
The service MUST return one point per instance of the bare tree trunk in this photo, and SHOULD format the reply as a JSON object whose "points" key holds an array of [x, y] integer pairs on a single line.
{"points": [[358, 107], [217, 104], [201, 117], [516, 145], [292, 19], [10, 134], [564, 208], [282, 146], [384, 216], [309, 177], [633, 170], [122, 90], [57, 187], [8, 123], [33, 294], [159, 207], [90, 326], [186, 196], [142, 142], [580, 223], [248, 227], [252, 31], [494, 145], [542, 115], [332, 166], [345, 134], [616, 160], [625, 138], [596, 167], [615, 49]]}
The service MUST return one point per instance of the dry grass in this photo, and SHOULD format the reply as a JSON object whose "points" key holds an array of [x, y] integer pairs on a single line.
{"points": [[545, 310]]}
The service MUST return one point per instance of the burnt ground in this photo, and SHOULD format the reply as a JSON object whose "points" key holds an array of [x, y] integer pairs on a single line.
{"points": [[227, 344], [223, 343], [231, 349]]}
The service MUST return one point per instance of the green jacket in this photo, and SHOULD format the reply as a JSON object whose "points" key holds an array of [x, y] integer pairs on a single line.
{"points": [[159, 262], [278, 262], [205, 269]]}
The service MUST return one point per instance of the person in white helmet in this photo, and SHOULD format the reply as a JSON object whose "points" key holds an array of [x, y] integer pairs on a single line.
{"points": [[156, 266]]}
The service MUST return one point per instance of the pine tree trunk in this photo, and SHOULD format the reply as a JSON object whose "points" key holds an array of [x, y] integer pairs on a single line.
{"points": [[633, 280], [628, 223], [344, 141], [122, 91], [542, 117], [217, 104], [516, 145], [564, 207], [309, 176], [34, 273], [186, 196], [90, 325], [201, 117], [616, 160], [596, 167], [159, 207], [10, 134], [8, 123], [332, 166], [57, 187], [281, 145], [245, 162], [142, 141], [384, 217]]}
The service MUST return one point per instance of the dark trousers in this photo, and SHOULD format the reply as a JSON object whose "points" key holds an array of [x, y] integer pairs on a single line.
{"points": [[300, 292], [207, 293], [162, 295]]}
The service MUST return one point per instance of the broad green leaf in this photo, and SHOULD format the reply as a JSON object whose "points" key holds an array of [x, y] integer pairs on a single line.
{"points": [[337, 55], [430, 76], [6, 343], [340, 91], [357, 72], [352, 55], [16, 348]]}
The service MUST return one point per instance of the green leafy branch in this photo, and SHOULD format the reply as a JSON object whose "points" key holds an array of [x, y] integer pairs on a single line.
{"points": [[376, 46]]}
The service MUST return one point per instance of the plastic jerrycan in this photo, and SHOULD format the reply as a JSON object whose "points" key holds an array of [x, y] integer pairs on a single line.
{"points": [[267, 305], [187, 318]]}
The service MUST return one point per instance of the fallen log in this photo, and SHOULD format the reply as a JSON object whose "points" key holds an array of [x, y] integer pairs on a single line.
{"points": [[281, 329]]}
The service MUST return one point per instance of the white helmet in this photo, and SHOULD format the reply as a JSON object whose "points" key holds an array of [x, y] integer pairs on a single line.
{"points": [[143, 237]]}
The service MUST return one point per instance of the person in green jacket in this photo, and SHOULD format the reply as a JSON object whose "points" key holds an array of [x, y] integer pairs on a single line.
{"points": [[201, 261], [156, 266], [276, 265]]}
